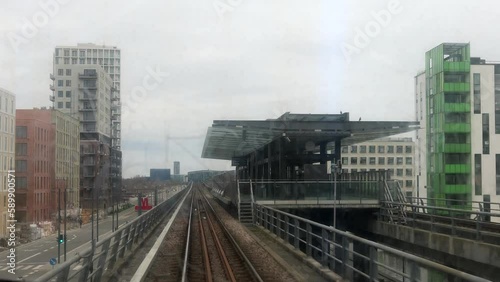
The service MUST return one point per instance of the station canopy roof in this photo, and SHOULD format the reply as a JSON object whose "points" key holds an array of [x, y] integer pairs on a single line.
{"points": [[237, 138]]}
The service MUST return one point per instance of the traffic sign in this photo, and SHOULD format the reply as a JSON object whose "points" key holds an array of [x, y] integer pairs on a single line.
{"points": [[53, 261]]}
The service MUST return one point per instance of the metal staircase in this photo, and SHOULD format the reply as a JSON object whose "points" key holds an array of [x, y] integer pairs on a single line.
{"points": [[393, 200], [245, 203]]}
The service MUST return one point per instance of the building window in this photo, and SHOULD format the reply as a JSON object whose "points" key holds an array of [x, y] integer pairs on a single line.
{"points": [[399, 172], [60, 94], [68, 105], [74, 53], [390, 161], [381, 149], [354, 170], [409, 172], [390, 149], [66, 52], [372, 160], [354, 149], [408, 183], [60, 83], [68, 94], [60, 105], [66, 61], [478, 190], [21, 132], [362, 160], [21, 166], [82, 61], [345, 161], [408, 161], [390, 172], [371, 149], [477, 93], [486, 133], [399, 149], [408, 149], [21, 182], [68, 83], [68, 72], [381, 160], [399, 160], [74, 61], [344, 149], [362, 149], [82, 53], [354, 161], [21, 149], [60, 72]]}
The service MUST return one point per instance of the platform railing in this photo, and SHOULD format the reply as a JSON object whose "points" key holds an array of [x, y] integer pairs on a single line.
{"points": [[470, 224], [453, 203], [102, 256], [351, 256], [315, 192]]}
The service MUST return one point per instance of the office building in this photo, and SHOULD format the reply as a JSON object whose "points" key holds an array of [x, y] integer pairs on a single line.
{"points": [[7, 143], [458, 105], [177, 168], [159, 174], [35, 159], [47, 160], [392, 154]]}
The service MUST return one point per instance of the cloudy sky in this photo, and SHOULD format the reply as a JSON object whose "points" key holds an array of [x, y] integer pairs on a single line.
{"points": [[239, 59]]}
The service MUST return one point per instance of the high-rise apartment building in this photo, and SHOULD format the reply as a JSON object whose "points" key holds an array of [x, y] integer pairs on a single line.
{"points": [[177, 168], [88, 67], [7, 143], [396, 155], [458, 106], [85, 92]]}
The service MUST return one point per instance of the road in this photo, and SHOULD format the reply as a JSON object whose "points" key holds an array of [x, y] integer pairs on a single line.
{"points": [[32, 259]]}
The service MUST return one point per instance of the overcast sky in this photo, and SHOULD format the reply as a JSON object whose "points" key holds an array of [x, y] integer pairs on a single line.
{"points": [[240, 59]]}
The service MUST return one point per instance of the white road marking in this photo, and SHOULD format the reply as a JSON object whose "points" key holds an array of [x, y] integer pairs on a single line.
{"points": [[45, 250], [29, 257], [5, 268], [28, 267], [38, 267]]}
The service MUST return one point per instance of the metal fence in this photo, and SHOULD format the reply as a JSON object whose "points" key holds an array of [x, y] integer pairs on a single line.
{"points": [[352, 257], [103, 256], [469, 224]]}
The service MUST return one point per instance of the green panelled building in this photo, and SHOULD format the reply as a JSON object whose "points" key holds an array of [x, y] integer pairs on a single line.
{"points": [[448, 123]]}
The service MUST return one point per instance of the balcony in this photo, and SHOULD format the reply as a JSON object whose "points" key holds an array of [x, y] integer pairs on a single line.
{"points": [[52, 88], [52, 77], [457, 188], [456, 108], [456, 128], [52, 98], [87, 109], [88, 75], [456, 87], [89, 120], [87, 97], [457, 148], [457, 168], [87, 87], [456, 66]]}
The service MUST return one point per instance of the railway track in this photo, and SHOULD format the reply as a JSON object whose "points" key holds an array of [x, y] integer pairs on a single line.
{"points": [[213, 253], [198, 247]]}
